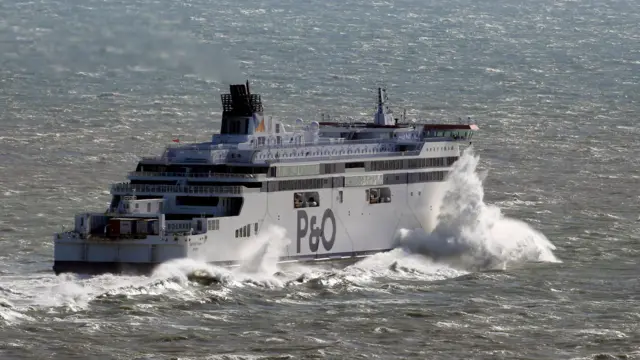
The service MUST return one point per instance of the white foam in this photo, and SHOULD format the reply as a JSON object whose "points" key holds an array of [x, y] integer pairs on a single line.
{"points": [[471, 234], [258, 263]]}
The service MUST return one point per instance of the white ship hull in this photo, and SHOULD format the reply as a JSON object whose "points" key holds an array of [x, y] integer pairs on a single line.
{"points": [[361, 229], [321, 191]]}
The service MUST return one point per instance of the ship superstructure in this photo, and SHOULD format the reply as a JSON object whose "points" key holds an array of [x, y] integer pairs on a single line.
{"points": [[340, 189]]}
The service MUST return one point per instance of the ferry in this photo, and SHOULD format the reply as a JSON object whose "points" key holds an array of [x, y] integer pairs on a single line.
{"points": [[341, 190]]}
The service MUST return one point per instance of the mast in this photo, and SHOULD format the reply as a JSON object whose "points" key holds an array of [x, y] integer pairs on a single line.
{"points": [[382, 115]]}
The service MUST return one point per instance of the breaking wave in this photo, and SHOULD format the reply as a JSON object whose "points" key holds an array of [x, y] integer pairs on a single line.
{"points": [[258, 264], [472, 235]]}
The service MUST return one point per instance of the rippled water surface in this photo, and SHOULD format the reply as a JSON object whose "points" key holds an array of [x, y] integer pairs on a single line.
{"points": [[536, 253]]}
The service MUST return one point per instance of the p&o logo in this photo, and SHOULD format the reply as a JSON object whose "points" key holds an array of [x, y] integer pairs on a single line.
{"points": [[316, 233]]}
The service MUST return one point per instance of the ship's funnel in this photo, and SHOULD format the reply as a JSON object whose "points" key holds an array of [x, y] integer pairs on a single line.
{"points": [[242, 111], [240, 102]]}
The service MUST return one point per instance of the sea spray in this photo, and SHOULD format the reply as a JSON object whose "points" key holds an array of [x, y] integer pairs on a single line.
{"points": [[258, 263], [471, 234], [262, 253]]}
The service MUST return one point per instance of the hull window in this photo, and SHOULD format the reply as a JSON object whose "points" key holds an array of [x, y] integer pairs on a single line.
{"points": [[378, 195], [306, 199]]}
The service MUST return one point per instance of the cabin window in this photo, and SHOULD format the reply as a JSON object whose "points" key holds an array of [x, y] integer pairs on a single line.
{"points": [[255, 228], [340, 196], [285, 185], [427, 176], [278, 140], [237, 233], [278, 131], [137, 205], [213, 224], [378, 195], [148, 207], [306, 199], [354, 165]]}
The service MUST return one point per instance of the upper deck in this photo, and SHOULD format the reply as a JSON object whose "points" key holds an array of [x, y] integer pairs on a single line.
{"points": [[247, 138]]}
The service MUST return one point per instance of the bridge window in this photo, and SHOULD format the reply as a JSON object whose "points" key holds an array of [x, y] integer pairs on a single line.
{"points": [[378, 195], [197, 201], [306, 199]]}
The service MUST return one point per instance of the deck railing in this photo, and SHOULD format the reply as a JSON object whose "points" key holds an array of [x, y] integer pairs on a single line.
{"points": [[144, 188], [345, 156], [191, 175]]}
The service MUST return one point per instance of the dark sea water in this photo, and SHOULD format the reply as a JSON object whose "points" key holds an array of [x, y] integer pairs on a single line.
{"points": [[544, 266]]}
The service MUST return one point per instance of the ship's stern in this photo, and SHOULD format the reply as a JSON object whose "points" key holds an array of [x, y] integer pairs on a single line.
{"points": [[108, 244]]}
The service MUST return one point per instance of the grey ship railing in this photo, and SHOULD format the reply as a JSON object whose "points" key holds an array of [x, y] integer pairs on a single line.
{"points": [[283, 145], [192, 175], [127, 187], [354, 157], [255, 146]]}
